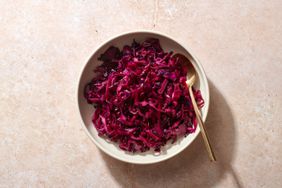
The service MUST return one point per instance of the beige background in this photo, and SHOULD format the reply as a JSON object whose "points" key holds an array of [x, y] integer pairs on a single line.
{"points": [[44, 45]]}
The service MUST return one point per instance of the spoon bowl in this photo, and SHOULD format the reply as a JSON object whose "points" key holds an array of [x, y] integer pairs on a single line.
{"points": [[191, 74]]}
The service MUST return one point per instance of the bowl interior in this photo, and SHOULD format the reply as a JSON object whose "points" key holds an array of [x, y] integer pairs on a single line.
{"points": [[87, 110]]}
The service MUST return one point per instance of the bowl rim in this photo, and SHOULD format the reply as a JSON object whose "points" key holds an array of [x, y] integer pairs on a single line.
{"points": [[205, 80]]}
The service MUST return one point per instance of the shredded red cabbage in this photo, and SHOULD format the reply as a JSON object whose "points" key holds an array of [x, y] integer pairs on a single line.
{"points": [[141, 97]]}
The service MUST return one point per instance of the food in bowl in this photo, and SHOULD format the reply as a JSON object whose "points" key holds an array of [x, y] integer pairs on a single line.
{"points": [[141, 98]]}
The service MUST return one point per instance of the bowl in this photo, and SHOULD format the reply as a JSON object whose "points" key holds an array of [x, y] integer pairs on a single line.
{"points": [[86, 110]]}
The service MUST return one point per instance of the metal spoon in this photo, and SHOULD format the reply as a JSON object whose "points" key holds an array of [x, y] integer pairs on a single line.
{"points": [[190, 82]]}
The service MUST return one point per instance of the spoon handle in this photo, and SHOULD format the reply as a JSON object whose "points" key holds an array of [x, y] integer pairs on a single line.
{"points": [[202, 127]]}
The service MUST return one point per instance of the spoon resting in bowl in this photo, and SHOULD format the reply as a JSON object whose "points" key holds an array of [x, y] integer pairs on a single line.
{"points": [[190, 82]]}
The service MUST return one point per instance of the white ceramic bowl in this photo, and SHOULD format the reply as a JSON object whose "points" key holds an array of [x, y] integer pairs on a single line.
{"points": [[87, 110]]}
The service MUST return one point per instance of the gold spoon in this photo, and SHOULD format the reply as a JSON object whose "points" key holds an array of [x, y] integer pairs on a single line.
{"points": [[190, 82]]}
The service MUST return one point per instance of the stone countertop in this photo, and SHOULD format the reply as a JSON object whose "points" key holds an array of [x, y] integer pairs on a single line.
{"points": [[44, 45]]}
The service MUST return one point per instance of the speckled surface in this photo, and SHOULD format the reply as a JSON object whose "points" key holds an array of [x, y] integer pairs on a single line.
{"points": [[44, 45]]}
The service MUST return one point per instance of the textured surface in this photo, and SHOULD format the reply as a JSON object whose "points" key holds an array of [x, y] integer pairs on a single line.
{"points": [[44, 45]]}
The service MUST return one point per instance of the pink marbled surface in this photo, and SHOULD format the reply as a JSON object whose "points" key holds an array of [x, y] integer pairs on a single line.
{"points": [[44, 45]]}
